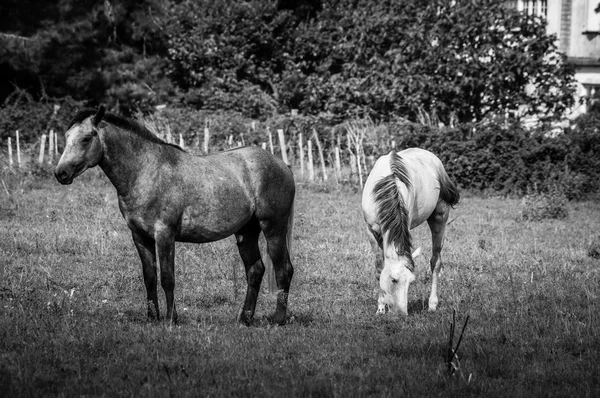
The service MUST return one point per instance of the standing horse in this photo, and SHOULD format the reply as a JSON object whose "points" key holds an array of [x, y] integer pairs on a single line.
{"points": [[402, 191], [165, 195]]}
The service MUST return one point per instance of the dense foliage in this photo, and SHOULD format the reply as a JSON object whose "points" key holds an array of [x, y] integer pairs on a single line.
{"points": [[497, 157], [35, 117], [111, 51], [434, 60], [442, 60]]}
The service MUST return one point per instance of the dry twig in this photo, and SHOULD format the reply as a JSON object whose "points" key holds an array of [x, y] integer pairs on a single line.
{"points": [[452, 360]]}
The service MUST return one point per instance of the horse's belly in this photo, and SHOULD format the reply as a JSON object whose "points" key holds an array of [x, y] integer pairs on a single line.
{"points": [[200, 227]]}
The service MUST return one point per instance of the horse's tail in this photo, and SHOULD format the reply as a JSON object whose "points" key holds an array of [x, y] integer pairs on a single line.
{"points": [[448, 189], [271, 281]]}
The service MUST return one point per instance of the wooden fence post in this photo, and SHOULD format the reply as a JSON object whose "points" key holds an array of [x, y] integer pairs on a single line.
{"points": [[181, 142], [206, 136], [282, 146], [270, 139], [10, 157], [338, 165], [42, 148], [311, 170], [356, 134], [18, 151], [51, 147], [301, 155], [320, 149]]}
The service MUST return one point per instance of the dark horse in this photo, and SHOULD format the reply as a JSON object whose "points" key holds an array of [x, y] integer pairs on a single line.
{"points": [[166, 195]]}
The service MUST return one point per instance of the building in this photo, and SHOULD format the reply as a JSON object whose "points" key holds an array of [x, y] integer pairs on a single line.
{"points": [[576, 24]]}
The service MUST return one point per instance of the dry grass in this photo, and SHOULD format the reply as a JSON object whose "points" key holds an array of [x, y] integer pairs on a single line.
{"points": [[72, 316]]}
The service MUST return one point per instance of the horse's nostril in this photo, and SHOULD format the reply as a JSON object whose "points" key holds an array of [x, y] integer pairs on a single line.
{"points": [[61, 175]]}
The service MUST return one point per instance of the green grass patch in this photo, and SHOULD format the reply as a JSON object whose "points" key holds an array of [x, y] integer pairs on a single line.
{"points": [[73, 317]]}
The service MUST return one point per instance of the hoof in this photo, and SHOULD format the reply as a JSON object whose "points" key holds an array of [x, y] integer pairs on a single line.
{"points": [[246, 318], [278, 319], [381, 310]]}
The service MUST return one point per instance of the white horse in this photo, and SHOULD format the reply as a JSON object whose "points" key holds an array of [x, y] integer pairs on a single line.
{"points": [[402, 191]]}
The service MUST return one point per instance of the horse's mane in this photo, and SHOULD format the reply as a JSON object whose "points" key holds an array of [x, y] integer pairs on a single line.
{"points": [[393, 214], [121, 122]]}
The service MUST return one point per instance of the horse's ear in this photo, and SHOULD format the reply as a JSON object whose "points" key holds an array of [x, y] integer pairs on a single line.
{"points": [[99, 115]]}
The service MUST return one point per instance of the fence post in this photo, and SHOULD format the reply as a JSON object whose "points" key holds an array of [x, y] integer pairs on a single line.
{"points": [[320, 149], [181, 143], [51, 147], [206, 136], [270, 139], [282, 146], [42, 148], [18, 151], [311, 170], [10, 158], [301, 155], [338, 165]]}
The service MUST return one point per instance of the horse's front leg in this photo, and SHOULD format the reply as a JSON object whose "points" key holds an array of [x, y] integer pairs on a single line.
{"points": [[375, 241], [146, 250], [165, 251]]}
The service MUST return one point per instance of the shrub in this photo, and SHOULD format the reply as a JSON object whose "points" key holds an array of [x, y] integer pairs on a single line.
{"points": [[540, 206], [594, 249], [33, 118]]}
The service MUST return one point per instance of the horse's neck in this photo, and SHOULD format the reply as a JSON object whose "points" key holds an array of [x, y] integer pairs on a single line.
{"points": [[125, 157]]}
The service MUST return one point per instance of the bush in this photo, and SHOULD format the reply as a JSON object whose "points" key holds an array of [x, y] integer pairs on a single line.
{"points": [[33, 118], [540, 206], [594, 249]]}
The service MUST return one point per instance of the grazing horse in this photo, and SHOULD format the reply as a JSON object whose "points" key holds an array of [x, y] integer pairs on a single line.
{"points": [[402, 191], [166, 194]]}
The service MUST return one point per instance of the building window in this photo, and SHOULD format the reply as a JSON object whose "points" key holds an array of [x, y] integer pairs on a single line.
{"points": [[537, 8], [593, 17]]}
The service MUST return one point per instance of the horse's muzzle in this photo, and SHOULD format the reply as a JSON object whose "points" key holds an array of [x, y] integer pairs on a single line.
{"points": [[63, 176]]}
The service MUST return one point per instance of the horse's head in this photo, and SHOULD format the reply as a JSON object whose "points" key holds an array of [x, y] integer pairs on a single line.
{"points": [[395, 279], [83, 148]]}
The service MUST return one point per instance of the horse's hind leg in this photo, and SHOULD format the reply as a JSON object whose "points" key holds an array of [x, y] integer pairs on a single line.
{"points": [[146, 250], [278, 252], [247, 242], [437, 225]]}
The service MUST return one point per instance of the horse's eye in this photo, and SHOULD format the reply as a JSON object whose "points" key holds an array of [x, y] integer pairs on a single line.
{"points": [[86, 139], [394, 281]]}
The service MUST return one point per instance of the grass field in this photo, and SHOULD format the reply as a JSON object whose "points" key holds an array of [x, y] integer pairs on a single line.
{"points": [[73, 316]]}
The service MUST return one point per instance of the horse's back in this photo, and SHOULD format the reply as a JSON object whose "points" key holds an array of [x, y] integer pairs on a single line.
{"points": [[426, 181], [267, 179]]}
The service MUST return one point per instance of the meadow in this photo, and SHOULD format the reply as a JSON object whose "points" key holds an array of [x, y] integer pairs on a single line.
{"points": [[73, 316]]}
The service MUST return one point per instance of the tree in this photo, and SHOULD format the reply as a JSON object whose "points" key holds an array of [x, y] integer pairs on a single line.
{"points": [[445, 59], [440, 59], [112, 51]]}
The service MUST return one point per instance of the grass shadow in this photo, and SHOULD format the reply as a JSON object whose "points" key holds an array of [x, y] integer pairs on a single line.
{"points": [[418, 306]]}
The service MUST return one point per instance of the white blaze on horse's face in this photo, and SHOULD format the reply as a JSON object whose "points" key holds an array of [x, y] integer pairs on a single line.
{"points": [[394, 282], [83, 150]]}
